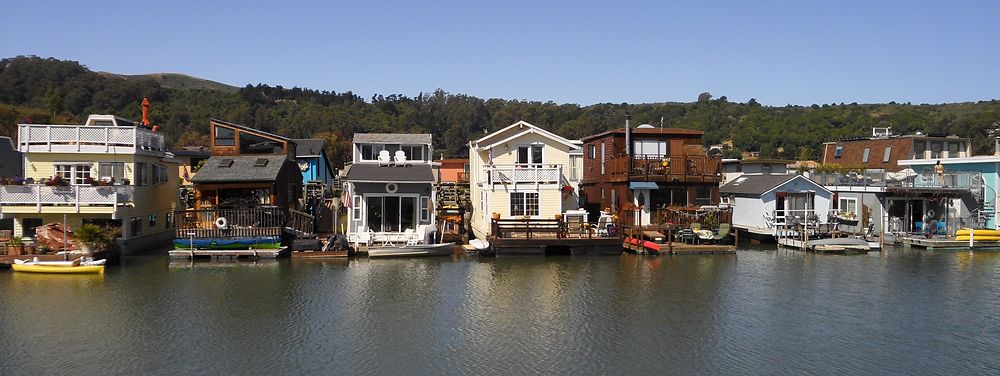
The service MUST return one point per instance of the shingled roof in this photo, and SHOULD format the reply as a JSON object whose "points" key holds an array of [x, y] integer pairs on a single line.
{"points": [[243, 168], [368, 172], [309, 147]]}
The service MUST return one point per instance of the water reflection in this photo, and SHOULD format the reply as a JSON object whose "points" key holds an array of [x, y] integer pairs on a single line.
{"points": [[770, 311]]}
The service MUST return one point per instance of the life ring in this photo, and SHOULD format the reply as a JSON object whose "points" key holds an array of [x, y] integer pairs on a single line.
{"points": [[221, 223], [930, 213]]}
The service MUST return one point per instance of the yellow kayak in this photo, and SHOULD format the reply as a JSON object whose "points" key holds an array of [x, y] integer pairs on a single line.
{"points": [[978, 238], [83, 269], [978, 232]]}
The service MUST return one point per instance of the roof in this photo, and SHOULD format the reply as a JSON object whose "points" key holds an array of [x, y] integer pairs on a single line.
{"points": [[635, 131], [248, 129], [913, 136], [190, 153], [392, 138], [481, 143], [760, 184], [371, 172], [244, 168], [309, 147]]}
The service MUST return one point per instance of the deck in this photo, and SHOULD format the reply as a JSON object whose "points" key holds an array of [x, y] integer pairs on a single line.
{"points": [[940, 244], [319, 254], [677, 248], [537, 236], [231, 253]]}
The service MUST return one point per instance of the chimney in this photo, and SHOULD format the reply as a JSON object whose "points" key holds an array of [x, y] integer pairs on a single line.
{"points": [[628, 135], [145, 111]]}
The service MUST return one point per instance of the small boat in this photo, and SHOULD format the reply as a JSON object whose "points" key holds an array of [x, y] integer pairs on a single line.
{"points": [[479, 244], [260, 242], [77, 266], [443, 249]]}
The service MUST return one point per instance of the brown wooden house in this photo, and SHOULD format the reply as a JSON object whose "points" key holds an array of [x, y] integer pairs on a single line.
{"points": [[666, 168]]}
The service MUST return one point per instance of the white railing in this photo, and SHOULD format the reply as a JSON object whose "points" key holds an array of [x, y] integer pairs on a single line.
{"points": [[78, 195], [533, 173], [88, 139]]}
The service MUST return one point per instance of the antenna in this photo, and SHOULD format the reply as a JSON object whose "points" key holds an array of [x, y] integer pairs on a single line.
{"points": [[661, 122]]}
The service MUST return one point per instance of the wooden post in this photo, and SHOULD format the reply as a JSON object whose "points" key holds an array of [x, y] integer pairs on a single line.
{"points": [[736, 237], [670, 238]]}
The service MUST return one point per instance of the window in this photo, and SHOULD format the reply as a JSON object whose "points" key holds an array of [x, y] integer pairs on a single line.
{"points": [[614, 201], [593, 151], [839, 151], [765, 169], [523, 203], [888, 153], [529, 155], [356, 208], [864, 156], [254, 144], [649, 147], [848, 205], [918, 150], [141, 175], [156, 174], [152, 220], [602, 158], [953, 148], [414, 152], [574, 175], [391, 213], [369, 152], [28, 226], [75, 174], [425, 212], [135, 226], [935, 150], [108, 171], [225, 136]]}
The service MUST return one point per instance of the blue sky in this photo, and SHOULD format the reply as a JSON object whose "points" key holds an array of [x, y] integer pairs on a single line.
{"points": [[779, 52]]}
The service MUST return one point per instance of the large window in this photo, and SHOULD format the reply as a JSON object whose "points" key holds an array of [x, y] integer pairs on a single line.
{"points": [[369, 152], [936, 150], [225, 136], [523, 203], [529, 154], [413, 152], [76, 174], [649, 148], [111, 170], [574, 173], [953, 148], [391, 213], [918, 150], [254, 144]]}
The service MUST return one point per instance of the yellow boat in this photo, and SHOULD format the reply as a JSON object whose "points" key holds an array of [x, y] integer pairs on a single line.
{"points": [[977, 232], [82, 269], [978, 238]]}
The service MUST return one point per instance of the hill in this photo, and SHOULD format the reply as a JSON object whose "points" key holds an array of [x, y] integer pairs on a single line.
{"points": [[49, 89], [177, 81]]}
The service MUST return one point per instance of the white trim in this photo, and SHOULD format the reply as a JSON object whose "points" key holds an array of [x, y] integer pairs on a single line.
{"points": [[975, 159], [531, 129], [793, 178]]}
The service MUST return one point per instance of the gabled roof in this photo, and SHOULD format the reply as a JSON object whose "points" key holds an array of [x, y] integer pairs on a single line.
{"points": [[642, 131], [309, 147], [370, 172], [248, 129], [761, 184], [392, 138], [244, 168], [493, 139]]}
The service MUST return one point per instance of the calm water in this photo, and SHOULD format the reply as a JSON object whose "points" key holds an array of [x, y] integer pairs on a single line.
{"points": [[759, 312]]}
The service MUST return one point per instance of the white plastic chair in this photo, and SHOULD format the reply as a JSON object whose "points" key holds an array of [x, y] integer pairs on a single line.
{"points": [[400, 158], [383, 158], [363, 236]]}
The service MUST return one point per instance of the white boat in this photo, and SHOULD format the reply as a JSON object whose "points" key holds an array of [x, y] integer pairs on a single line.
{"points": [[443, 249], [479, 244]]}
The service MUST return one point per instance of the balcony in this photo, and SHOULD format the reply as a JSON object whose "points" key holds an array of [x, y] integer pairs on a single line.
{"points": [[73, 196], [88, 139], [528, 173], [692, 168], [880, 179]]}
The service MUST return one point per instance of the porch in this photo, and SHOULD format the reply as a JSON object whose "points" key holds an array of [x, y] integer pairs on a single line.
{"points": [[242, 223]]}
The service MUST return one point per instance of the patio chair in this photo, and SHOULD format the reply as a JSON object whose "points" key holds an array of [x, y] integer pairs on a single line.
{"points": [[361, 237], [383, 158], [400, 158], [722, 234]]}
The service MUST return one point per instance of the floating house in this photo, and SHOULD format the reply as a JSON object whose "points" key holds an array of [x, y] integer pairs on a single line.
{"points": [[656, 171], [764, 205], [882, 150], [247, 196], [110, 171], [390, 183]]}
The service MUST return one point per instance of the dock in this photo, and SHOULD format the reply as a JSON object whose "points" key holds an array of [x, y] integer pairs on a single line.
{"points": [[677, 248], [232, 253], [319, 254], [944, 244]]}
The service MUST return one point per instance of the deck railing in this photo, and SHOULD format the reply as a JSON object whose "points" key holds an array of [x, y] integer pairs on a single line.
{"points": [[266, 221], [654, 167], [685, 216], [526, 173], [878, 178], [75, 195], [88, 139]]}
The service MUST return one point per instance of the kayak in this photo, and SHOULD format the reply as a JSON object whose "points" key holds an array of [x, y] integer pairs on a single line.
{"points": [[977, 232], [978, 238], [83, 269], [261, 242]]}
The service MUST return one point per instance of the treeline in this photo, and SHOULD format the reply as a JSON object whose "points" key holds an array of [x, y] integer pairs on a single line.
{"points": [[51, 90]]}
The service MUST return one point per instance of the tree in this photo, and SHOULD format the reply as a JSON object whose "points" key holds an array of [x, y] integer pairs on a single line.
{"points": [[704, 97], [54, 101]]}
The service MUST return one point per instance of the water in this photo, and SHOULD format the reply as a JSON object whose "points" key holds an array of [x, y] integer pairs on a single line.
{"points": [[756, 312]]}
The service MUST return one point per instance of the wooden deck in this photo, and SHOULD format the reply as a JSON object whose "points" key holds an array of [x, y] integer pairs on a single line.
{"points": [[939, 244], [232, 253], [677, 248], [550, 246], [319, 254]]}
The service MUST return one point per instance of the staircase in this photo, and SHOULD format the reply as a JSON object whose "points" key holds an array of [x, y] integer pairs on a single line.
{"points": [[985, 210]]}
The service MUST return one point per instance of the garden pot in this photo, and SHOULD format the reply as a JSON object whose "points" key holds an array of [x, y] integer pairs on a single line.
{"points": [[15, 250], [87, 248]]}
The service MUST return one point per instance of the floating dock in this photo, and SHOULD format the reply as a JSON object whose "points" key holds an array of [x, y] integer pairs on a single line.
{"points": [[941, 244], [232, 253], [674, 248]]}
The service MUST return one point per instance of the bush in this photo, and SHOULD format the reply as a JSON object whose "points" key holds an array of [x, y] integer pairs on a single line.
{"points": [[93, 235]]}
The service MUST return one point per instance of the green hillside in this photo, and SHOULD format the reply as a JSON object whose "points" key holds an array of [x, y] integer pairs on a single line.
{"points": [[48, 89]]}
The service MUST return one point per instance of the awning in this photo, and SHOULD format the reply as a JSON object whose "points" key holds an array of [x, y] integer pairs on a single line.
{"points": [[642, 185]]}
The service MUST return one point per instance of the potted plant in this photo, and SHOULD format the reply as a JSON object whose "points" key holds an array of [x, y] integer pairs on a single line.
{"points": [[16, 246], [92, 238], [42, 249]]}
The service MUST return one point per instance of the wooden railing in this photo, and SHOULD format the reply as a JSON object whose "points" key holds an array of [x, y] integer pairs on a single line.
{"points": [[685, 216], [526, 173], [249, 222], [75, 195], [511, 228], [88, 139], [655, 167]]}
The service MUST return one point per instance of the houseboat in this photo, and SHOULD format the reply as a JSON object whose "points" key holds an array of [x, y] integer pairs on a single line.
{"points": [[524, 184], [109, 171], [774, 206], [247, 197], [390, 183]]}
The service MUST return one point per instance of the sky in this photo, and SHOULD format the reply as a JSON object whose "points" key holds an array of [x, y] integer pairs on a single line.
{"points": [[777, 52]]}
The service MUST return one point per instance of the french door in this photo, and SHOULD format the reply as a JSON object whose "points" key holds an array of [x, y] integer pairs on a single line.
{"points": [[391, 213]]}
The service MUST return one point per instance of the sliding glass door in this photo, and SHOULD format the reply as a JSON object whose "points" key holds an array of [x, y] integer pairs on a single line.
{"points": [[391, 213]]}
